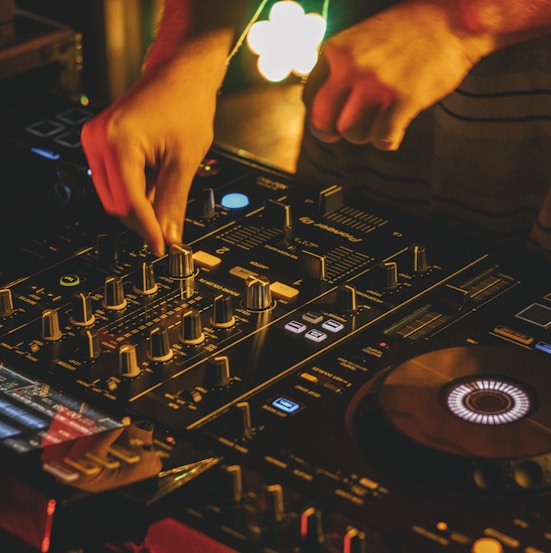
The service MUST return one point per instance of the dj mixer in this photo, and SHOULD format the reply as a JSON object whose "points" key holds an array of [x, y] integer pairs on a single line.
{"points": [[304, 372]]}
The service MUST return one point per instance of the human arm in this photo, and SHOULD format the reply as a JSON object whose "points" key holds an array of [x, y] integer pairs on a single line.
{"points": [[165, 121], [376, 76]]}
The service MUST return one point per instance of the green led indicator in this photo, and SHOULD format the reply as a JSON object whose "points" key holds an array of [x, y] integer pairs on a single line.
{"points": [[69, 280]]}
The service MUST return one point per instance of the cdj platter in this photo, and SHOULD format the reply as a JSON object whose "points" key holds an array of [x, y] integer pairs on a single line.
{"points": [[304, 373]]}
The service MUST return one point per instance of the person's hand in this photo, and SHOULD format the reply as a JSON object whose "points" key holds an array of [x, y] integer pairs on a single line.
{"points": [[164, 124], [375, 77]]}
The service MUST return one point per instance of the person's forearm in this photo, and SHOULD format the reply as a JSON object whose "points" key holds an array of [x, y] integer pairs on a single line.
{"points": [[205, 27]]}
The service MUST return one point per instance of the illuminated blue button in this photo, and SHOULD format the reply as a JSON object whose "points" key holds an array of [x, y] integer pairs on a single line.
{"points": [[316, 335], [235, 200], [295, 327], [332, 325], [543, 346], [286, 405], [48, 154]]}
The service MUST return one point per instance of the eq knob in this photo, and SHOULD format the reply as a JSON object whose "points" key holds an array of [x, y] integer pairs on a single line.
{"points": [[258, 296], [159, 345], [217, 372], [50, 325], [191, 330], [180, 261], [231, 484], [387, 272], [81, 313], [354, 541], [113, 294], [145, 279], [208, 205], [346, 298], [6, 302], [128, 362], [241, 419], [222, 312], [274, 508], [90, 346], [311, 527], [418, 258]]}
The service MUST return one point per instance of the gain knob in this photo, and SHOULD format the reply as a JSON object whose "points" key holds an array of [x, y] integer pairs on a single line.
{"points": [[6, 302], [311, 527], [50, 325], [81, 313], [90, 346], [113, 294], [207, 203], [191, 330], [145, 280], [222, 313], [419, 258], [241, 419], [354, 541], [128, 362], [346, 298], [159, 345], [180, 261], [217, 372], [258, 296], [387, 273]]}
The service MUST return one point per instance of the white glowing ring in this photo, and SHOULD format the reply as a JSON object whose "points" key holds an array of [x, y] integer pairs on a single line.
{"points": [[461, 400]]}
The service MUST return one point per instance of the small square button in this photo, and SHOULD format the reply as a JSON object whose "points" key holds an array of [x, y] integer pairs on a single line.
{"points": [[296, 327], [332, 325], [315, 335], [45, 128], [312, 317]]}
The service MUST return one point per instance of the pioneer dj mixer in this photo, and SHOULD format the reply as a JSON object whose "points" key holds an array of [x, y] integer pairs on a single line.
{"points": [[305, 372]]}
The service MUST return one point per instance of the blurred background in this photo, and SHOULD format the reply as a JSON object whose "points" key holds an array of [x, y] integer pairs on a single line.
{"points": [[259, 118]]}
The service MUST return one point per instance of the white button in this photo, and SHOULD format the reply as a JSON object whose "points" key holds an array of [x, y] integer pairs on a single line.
{"points": [[295, 327], [332, 325], [316, 335]]}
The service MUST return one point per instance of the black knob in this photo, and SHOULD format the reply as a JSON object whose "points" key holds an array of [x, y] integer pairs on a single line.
{"points": [[311, 527], [346, 298], [258, 296], [277, 214], [191, 331], [81, 313], [6, 302], [217, 373], [90, 346], [50, 325], [145, 279], [354, 541], [107, 249], [330, 199], [222, 314], [387, 275], [207, 203], [180, 261], [231, 485], [113, 294], [128, 362], [241, 419], [274, 502], [419, 258], [159, 345]]}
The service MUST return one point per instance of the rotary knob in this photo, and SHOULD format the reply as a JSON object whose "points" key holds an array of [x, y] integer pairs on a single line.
{"points": [[217, 373], [241, 419], [90, 346], [50, 325], [180, 261], [346, 298], [207, 203], [145, 280], [107, 249], [231, 484], [311, 527], [113, 294], [81, 313], [274, 502], [354, 541], [191, 331], [222, 313], [6, 302], [128, 362], [159, 345], [258, 296], [387, 272], [418, 258]]}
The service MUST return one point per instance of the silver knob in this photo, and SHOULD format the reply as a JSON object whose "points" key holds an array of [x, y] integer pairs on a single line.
{"points": [[81, 314], [180, 261], [191, 331], [50, 325], [145, 280], [159, 345], [113, 294], [258, 296]]}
